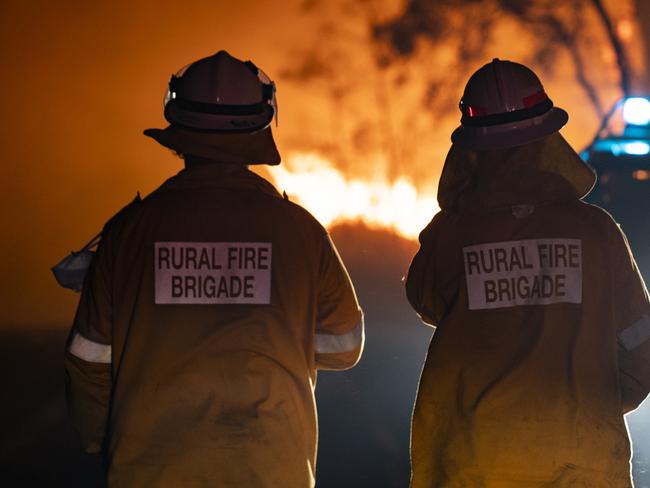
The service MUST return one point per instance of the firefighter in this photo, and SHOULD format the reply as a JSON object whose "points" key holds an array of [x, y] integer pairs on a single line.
{"points": [[209, 307], [542, 332]]}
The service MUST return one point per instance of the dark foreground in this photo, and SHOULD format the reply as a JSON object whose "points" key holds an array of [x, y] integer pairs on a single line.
{"points": [[364, 413]]}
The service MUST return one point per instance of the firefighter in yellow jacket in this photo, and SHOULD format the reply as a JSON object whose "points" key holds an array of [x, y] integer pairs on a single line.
{"points": [[542, 339], [209, 307]]}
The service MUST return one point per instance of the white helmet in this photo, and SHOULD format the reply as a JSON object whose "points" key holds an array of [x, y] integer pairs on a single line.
{"points": [[221, 94], [505, 105]]}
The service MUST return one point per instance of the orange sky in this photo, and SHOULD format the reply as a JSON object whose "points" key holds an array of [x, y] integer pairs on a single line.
{"points": [[81, 80]]}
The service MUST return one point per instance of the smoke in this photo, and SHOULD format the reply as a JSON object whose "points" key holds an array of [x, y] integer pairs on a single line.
{"points": [[370, 87], [385, 77]]}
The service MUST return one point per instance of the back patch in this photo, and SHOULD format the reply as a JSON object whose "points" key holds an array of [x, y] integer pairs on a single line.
{"points": [[213, 272], [530, 272]]}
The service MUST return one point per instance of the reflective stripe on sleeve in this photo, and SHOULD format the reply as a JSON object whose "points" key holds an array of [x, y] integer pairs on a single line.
{"points": [[636, 334], [91, 351], [331, 343]]}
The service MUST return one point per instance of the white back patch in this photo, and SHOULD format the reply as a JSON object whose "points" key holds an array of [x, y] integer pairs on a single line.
{"points": [[213, 272], [530, 272]]}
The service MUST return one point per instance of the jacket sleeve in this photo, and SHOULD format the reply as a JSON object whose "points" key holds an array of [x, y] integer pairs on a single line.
{"points": [[434, 275], [339, 337], [88, 356], [632, 319]]}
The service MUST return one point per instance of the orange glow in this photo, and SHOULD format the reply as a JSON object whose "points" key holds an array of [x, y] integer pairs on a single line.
{"points": [[381, 134], [625, 29], [641, 175], [313, 182]]}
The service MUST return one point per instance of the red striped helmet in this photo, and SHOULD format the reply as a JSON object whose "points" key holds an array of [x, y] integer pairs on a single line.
{"points": [[504, 105]]}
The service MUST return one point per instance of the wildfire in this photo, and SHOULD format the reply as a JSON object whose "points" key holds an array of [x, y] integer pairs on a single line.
{"points": [[316, 184]]}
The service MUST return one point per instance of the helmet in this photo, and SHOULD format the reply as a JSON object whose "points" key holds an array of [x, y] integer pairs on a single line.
{"points": [[504, 105], [221, 94]]}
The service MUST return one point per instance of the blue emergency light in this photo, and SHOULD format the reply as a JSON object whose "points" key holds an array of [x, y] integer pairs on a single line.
{"points": [[619, 147], [636, 111], [634, 140], [636, 148]]}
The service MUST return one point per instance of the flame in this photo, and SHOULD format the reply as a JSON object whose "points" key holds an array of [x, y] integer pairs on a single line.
{"points": [[317, 185]]}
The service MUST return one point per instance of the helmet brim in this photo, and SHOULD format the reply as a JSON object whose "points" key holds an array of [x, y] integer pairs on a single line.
{"points": [[512, 134], [244, 148]]}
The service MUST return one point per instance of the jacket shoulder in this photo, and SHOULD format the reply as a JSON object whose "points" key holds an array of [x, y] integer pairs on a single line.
{"points": [[123, 213], [301, 215], [597, 215], [439, 221]]}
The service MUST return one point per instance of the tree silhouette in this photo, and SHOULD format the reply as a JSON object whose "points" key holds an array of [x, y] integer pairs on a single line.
{"points": [[556, 26], [408, 67]]}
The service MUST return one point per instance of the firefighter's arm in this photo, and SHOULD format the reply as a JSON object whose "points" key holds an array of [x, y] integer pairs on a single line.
{"points": [[425, 279], [634, 372], [634, 362], [339, 338], [88, 357], [632, 316]]}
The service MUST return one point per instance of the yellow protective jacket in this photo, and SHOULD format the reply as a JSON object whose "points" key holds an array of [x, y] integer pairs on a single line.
{"points": [[542, 336], [207, 311]]}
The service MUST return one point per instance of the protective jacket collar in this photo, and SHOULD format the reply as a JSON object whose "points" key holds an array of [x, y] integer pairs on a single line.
{"points": [[219, 176], [254, 148], [544, 170]]}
